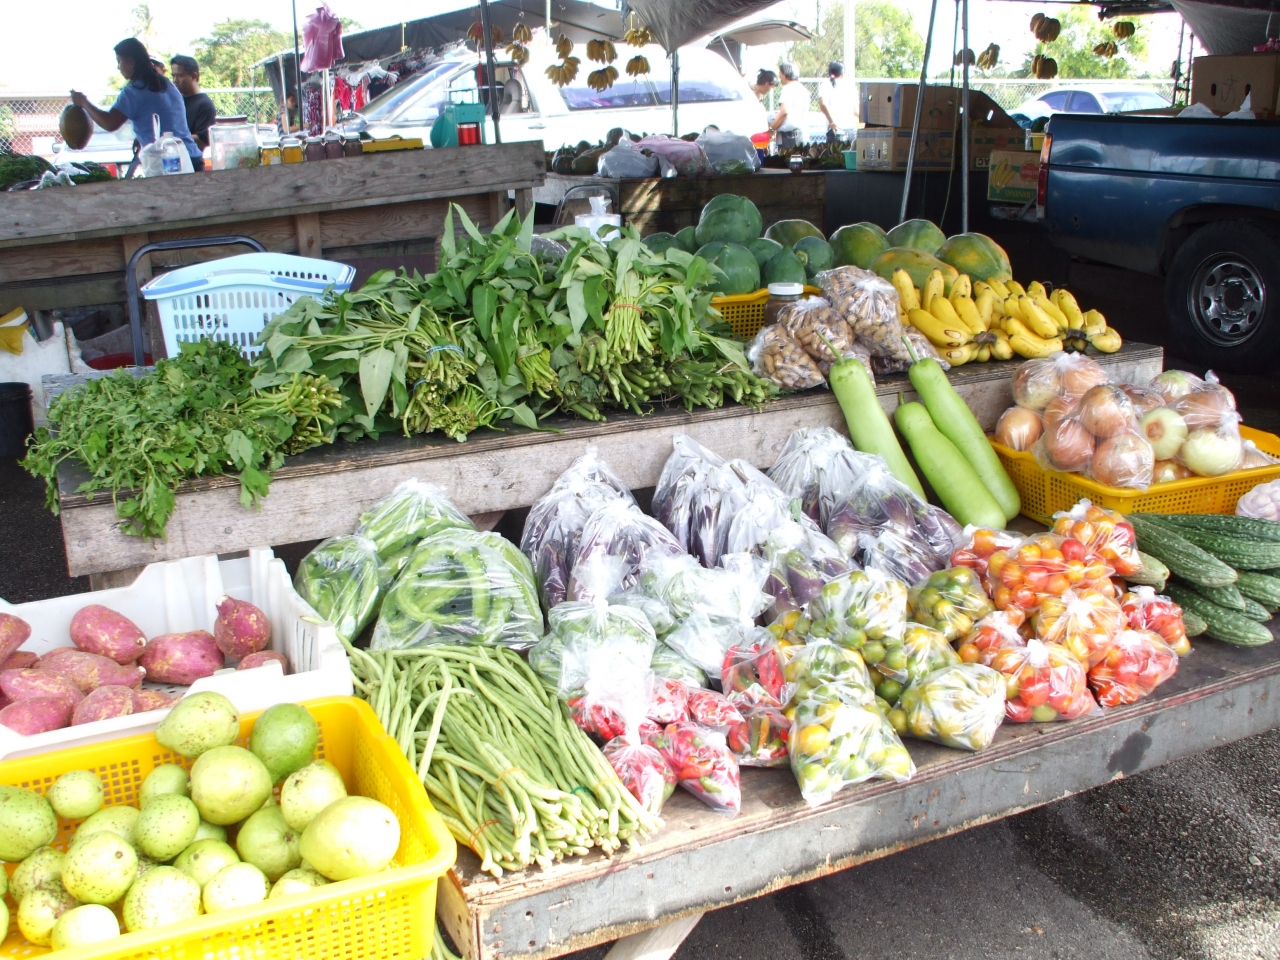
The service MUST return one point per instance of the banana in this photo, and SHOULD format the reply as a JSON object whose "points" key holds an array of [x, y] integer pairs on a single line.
{"points": [[637, 66], [938, 333], [564, 46], [968, 313], [1106, 342], [1011, 308], [957, 356], [1070, 309], [933, 287], [1094, 322], [521, 33], [1001, 349], [962, 286], [1036, 289], [1037, 321], [1015, 288], [985, 301], [1033, 349], [908, 295], [941, 308], [983, 354], [999, 287], [1056, 315]]}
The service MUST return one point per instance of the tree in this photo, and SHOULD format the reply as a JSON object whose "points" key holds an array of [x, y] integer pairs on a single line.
{"points": [[227, 55], [144, 24], [886, 42], [1081, 32]]}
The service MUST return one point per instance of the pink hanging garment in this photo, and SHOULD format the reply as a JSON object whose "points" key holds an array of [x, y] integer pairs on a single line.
{"points": [[322, 34]]}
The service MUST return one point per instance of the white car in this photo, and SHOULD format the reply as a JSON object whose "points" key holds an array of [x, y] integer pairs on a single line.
{"points": [[103, 147], [534, 108], [1090, 100]]}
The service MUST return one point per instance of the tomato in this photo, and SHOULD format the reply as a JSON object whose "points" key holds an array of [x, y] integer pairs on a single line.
{"points": [[1011, 575], [1036, 579], [812, 740], [1057, 584], [969, 653], [1017, 712], [1073, 550], [1024, 597], [984, 541], [1028, 553], [1035, 691]]}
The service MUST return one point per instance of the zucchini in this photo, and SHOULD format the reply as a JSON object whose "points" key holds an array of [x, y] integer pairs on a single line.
{"points": [[869, 426], [1194, 623], [1228, 596], [1223, 624], [1260, 587], [1241, 554], [1244, 528], [1255, 611], [1180, 555], [957, 485], [1152, 573]]}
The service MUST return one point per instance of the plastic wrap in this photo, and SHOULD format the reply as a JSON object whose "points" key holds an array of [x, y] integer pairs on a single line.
{"points": [[731, 591], [827, 671], [951, 601], [1043, 682], [415, 510], [777, 356], [976, 545], [1106, 535], [864, 611], [761, 739], [461, 586], [618, 529], [756, 664], [669, 663], [1207, 415], [1099, 436], [1137, 662], [1261, 503], [869, 304], [1085, 622], [958, 706], [1065, 376], [703, 765], [679, 491], [713, 710], [626, 160], [819, 467], [643, 770], [927, 650], [815, 325], [655, 611], [1039, 567], [897, 554], [339, 578], [728, 153], [1144, 609], [676, 157], [1018, 428], [667, 701], [993, 633]]}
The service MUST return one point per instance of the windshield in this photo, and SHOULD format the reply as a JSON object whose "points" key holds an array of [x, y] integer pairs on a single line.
{"points": [[628, 93], [1122, 101], [386, 105]]}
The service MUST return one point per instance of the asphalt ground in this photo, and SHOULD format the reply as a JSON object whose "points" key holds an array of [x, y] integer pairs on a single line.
{"points": [[1180, 863]]}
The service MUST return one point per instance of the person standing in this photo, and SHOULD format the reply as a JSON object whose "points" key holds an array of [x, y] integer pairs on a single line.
{"points": [[766, 80], [835, 100], [146, 94], [793, 106], [201, 112]]}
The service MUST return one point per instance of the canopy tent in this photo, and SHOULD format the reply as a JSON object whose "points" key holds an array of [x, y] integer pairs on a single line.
{"points": [[731, 41], [1233, 28]]}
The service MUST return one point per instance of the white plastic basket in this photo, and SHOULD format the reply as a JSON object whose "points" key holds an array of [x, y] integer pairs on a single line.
{"points": [[232, 299], [175, 596]]}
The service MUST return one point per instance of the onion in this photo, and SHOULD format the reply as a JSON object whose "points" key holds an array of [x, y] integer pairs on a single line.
{"points": [[1035, 384], [1173, 384], [1080, 374], [1206, 409], [1253, 457], [1069, 445], [1018, 428], [1105, 411], [1144, 398], [1165, 430], [1057, 408], [1211, 453], [1167, 471], [1124, 460]]}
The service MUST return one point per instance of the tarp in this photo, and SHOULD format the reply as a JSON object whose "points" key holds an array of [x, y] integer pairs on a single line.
{"points": [[1227, 29]]}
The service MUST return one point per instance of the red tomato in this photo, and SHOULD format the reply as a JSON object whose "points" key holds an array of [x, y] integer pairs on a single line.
{"points": [[1017, 711], [1035, 690], [1073, 549]]}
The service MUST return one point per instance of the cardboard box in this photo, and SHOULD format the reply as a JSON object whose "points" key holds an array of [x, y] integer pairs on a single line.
{"points": [[894, 104], [983, 141], [887, 148], [1013, 176], [1221, 83]]}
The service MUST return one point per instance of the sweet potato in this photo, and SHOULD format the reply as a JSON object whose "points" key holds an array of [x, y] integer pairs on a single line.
{"points": [[144, 700], [19, 661], [14, 632], [99, 630], [103, 704], [38, 715], [88, 671], [181, 657], [34, 684], [241, 628], [262, 658]]}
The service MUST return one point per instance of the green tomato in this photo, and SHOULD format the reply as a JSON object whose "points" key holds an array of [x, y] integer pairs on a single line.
{"points": [[873, 652], [896, 659], [856, 768], [1043, 713], [898, 720], [813, 779]]}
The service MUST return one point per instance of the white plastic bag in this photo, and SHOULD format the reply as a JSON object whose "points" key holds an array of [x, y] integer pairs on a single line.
{"points": [[627, 160], [729, 153]]}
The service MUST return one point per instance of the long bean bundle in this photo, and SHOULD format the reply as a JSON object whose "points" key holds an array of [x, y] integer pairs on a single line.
{"points": [[505, 766]]}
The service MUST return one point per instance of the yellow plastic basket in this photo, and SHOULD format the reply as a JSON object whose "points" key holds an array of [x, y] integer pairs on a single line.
{"points": [[1045, 492], [744, 312], [386, 915]]}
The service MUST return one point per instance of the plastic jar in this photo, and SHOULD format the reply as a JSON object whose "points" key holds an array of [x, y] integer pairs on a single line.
{"points": [[332, 146], [269, 155], [352, 146], [781, 294], [291, 150], [314, 149]]}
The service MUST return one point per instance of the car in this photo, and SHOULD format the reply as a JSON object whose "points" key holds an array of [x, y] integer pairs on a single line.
{"points": [[104, 147], [1088, 100], [534, 108]]}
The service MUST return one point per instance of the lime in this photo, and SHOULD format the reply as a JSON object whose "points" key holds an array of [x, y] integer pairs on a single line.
{"points": [[891, 690], [898, 720], [896, 659], [1043, 713], [873, 652], [284, 738]]}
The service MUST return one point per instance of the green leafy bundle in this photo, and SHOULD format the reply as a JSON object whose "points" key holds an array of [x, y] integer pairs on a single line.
{"points": [[195, 415]]}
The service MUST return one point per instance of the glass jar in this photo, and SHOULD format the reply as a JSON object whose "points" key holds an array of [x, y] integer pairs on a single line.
{"points": [[270, 155], [332, 146], [291, 150], [781, 294], [352, 145], [796, 163], [314, 150]]}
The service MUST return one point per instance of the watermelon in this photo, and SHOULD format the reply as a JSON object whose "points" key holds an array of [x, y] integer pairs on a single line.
{"points": [[789, 232], [920, 234], [785, 267], [741, 272], [917, 263], [687, 239], [977, 255], [858, 244], [764, 249], [816, 254], [728, 218], [662, 242]]}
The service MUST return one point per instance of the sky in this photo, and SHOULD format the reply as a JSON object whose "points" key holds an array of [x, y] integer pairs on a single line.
{"points": [[77, 51]]}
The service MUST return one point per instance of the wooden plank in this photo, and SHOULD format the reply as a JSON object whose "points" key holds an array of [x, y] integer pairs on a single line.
{"points": [[230, 196], [322, 492], [306, 228], [660, 943], [400, 221], [63, 294], [524, 201], [701, 861], [60, 260]]}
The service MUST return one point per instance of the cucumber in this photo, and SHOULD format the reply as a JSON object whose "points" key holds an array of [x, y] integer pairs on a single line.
{"points": [[1260, 587], [1152, 573], [869, 426], [957, 485], [1222, 624], [1180, 555], [1194, 623], [1228, 596], [955, 421], [1246, 528], [1238, 553], [1255, 611]]}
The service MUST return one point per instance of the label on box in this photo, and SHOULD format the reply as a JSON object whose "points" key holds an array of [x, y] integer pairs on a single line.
{"points": [[1013, 176], [886, 148]]}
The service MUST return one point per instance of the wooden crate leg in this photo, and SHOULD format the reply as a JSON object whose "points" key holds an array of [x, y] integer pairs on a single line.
{"points": [[524, 201], [660, 943], [114, 578], [306, 228]]}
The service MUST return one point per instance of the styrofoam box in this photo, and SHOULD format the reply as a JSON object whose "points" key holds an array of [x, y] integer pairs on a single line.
{"points": [[180, 595]]}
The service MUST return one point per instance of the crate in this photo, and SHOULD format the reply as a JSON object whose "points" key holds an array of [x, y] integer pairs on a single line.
{"points": [[232, 299], [385, 915], [1045, 492], [744, 312], [175, 596]]}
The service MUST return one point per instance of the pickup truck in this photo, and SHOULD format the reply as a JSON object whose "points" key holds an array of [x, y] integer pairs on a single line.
{"points": [[1195, 201]]}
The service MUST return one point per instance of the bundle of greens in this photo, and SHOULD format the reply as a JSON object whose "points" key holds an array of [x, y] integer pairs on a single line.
{"points": [[196, 415]]}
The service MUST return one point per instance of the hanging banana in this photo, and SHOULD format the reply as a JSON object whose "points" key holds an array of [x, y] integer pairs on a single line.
{"points": [[637, 66], [521, 33], [637, 36], [1123, 29], [989, 57], [1036, 20], [1106, 49], [564, 47], [963, 56], [603, 78], [1047, 29], [563, 74], [518, 53]]}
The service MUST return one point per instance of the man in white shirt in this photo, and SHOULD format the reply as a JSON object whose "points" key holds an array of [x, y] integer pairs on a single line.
{"points": [[835, 100], [793, 104]]}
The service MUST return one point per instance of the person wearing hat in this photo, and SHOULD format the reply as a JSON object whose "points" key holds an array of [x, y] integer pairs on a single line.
{"points": [[793, 104], [835, 100]]}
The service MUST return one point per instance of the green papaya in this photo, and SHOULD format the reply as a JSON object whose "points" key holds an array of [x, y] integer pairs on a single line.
{"points": [[857, 244], [661, 242], [688, 240], [728, 218], [790, 232]]}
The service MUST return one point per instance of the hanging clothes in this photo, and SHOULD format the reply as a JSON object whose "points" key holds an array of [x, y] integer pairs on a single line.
{"points": [[314, 110], [342, 93], [323, 36]]}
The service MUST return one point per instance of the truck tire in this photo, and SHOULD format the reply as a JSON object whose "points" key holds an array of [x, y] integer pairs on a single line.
{"points": [[1222, 294]]}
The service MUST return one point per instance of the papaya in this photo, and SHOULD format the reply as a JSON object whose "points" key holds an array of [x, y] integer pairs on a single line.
{"points": [[764, 249], [687, 239], [741, 272], [790, 232], [75, 126], [858, 244], [977, 255], [785, 267], [916, 263], [728, 218], [661, 242], [816, 255], [920, 234]]}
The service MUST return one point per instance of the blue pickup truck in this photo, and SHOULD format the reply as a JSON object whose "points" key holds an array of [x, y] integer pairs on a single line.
{"points": [[1194, 201]]}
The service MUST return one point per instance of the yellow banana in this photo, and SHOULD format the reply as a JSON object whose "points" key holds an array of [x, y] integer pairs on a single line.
{"points": [[941, 308], [998, 287], [1001, 349], [1032, 349], [1015, 288], [983, 354], [1094, 322], [1070, 309], [1012, 309], [1037, 321], [962, 285], [1016, 328], [957, 356], [938, 333], [1106, 342], [932, 288], [1056, 315], [908, 295], [1036, 289], [968, 313], [985, 301]]}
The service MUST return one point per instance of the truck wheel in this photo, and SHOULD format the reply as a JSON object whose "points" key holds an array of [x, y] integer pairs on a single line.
{"points": [[1222, 295]]}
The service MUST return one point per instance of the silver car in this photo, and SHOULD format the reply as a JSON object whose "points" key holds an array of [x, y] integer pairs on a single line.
{"points": [[1089, 100]]}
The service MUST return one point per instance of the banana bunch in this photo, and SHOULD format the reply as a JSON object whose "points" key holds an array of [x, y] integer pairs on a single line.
{"points": [[562, 74], [1044, 68], [521, 33], [989, 57], [602, 79], [965, 55], [1045, 29], [1106, 49], [958, 325], [637, 66], [476, 33], [1083, 329], [638, 36], [601, 51], [1123, 29], [564, 47], [518, 53]]}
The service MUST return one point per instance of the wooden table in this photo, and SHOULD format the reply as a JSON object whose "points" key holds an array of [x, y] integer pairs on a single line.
{"points": [[322, 493]]}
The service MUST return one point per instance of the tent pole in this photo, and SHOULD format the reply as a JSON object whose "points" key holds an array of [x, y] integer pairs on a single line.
{"points": [[494, 106], [297, 71], [915, 120], [675, 92], [964, 123]]}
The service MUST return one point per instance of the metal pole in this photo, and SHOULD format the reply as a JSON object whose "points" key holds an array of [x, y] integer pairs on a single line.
{"points": [[915, 121], [675, 93], [964, 123], [487, 29], [284, 94], [297, 71]]}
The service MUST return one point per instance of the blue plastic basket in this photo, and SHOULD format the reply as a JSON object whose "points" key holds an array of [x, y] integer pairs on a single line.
{"points": [[233, 299]]}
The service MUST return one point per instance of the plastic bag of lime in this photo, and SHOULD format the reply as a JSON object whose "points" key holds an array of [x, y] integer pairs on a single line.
{"points": [[825, 671], [866, 611], [951, 600], [834, 744], [958, 706], [927, 650]]}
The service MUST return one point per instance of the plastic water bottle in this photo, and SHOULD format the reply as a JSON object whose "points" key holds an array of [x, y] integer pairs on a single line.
{"points": [[171, 154]]}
